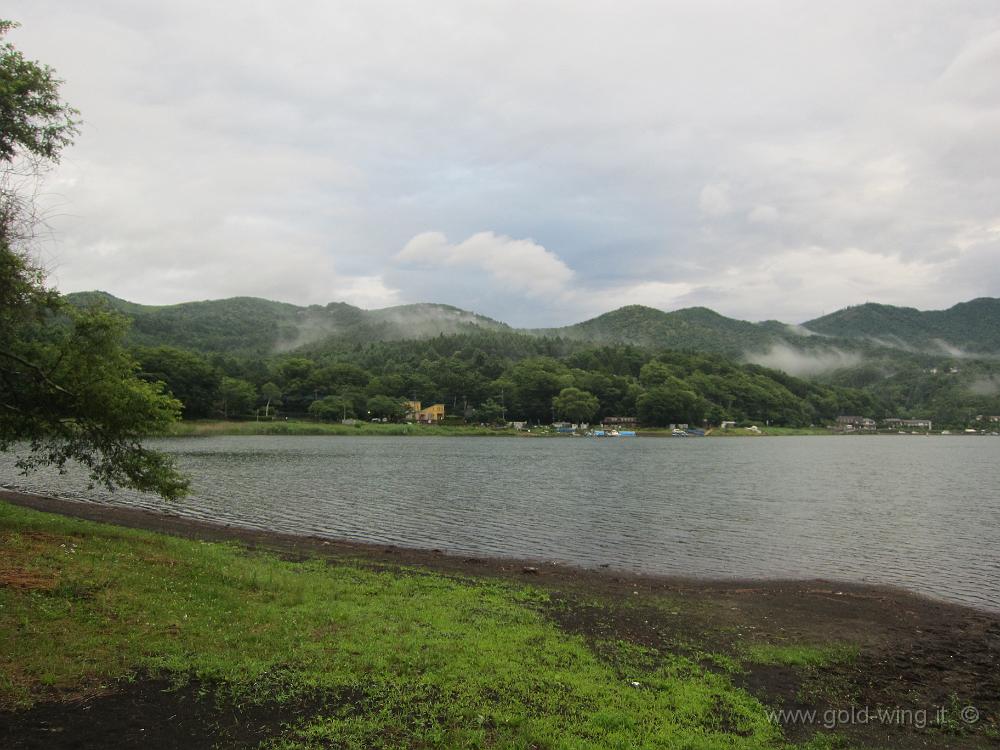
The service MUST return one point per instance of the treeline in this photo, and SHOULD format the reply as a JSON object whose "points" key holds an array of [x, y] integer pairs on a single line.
{"points": [[953, 392], [496, 376]]}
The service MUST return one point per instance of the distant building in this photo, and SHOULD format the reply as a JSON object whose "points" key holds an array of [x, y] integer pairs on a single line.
{"points": [[620, 421], [849, 423], [913, 424], [433, 414], [727, 424]]}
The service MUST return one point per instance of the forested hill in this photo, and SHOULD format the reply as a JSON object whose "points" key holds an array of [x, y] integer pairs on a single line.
{"points": [[691, 329], [253, 326], [247, 325], [238, 355], [967, 328]]}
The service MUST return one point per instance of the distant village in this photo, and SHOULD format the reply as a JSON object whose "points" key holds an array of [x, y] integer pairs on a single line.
{"points": [[986, 424], [627, 426]]}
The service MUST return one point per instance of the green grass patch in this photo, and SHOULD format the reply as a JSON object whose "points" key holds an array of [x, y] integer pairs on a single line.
{"points": [[799, 655], [201, 428], [406, 659], [769, 431]]}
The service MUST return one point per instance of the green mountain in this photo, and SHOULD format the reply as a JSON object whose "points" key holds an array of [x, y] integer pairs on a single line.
{"points": [[967, 328], [249, 325], [870, 359], [691, 329]]}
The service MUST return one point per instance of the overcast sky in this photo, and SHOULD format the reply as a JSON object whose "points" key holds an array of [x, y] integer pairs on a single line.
{"points": [[537, 162]]}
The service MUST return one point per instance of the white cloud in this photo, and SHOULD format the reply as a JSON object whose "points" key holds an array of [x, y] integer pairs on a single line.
{"points": [[663, 295], [714, 200], [522, 266], [238, 255], [798, 362], [763, 215], [777, 165], [830, 279]]}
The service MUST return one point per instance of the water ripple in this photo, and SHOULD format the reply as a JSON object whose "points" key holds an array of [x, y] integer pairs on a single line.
{"points": [[922, 514]]}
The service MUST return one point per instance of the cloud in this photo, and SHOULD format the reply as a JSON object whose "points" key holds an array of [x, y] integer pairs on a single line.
{"points": [[523, 266], [779, 165], [797, 362], [985, 386], [234, 255], [660, 294], [831, 279], [763, 215], [714, 200]]}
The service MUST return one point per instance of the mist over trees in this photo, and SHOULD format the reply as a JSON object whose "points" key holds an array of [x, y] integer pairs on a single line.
{"points": [[494, 376], [491, 376]]}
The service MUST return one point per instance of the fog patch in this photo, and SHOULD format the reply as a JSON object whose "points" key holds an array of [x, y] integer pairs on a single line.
{"points": [[797, 362], [892, 342], [425, 321], [312, 330], [987, 386], [949, 349], [797, 330], [420, 321]]}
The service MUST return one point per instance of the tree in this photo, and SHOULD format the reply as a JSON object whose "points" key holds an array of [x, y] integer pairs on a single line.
{"points": [[236, 396], [489, 412], [535, 382], [332, 407], [271, 395], [68, 389], [187, 376], [387, 407], [655, 373], [575, 404], [671, 403]]}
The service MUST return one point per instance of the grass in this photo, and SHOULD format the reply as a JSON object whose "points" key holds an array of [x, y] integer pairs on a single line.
{"points": [[199, 428], [405, 658], [800, 655], [769, 431]]}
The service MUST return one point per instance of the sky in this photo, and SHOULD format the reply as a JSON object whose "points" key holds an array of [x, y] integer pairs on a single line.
{"points": [[537, 162]]}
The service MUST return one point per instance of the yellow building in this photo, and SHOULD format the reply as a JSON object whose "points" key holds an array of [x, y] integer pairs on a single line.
{"points": [[431, 415]]}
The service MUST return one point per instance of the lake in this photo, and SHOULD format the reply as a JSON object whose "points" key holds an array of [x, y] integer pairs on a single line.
{"points": [[919, 512]]}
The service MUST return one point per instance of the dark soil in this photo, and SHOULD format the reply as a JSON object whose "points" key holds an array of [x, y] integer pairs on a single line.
{"points": [[927, 657], [152, 714], [916, 653]]}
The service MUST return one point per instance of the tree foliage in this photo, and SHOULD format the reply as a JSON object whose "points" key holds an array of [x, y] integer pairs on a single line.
{"points": [[188, 376], [34, 121], [386, 407], [575, 404], [69, 391], [332, 408], [236, 397]]}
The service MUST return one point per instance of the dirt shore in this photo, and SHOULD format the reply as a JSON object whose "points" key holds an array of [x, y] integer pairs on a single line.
{"points": [[915, 653]]}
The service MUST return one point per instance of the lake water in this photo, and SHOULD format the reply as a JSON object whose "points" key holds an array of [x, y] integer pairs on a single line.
{"points": [[919, 512]]}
